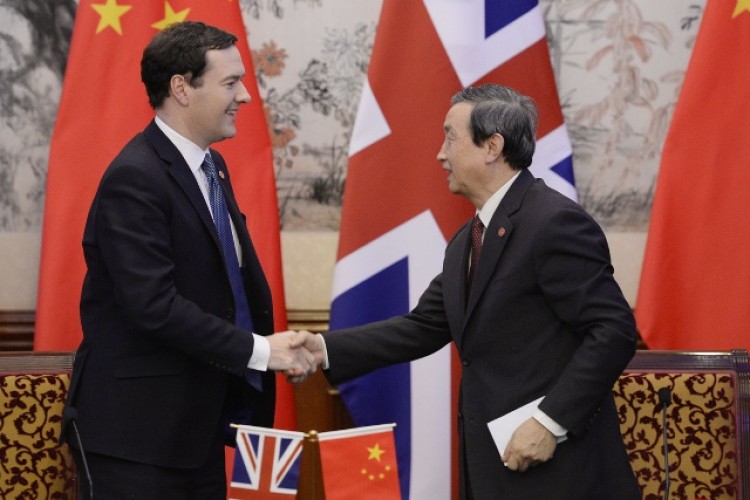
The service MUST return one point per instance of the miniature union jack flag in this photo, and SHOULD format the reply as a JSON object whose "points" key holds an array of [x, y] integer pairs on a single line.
{"points": [[266, 464]]}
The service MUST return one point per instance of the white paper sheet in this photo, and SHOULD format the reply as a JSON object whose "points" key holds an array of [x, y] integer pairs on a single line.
{"points": [[502, 428]]}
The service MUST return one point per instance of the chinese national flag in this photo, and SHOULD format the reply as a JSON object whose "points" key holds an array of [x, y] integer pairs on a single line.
{"points": [[103, 105], [695, 281], [360, 463]]}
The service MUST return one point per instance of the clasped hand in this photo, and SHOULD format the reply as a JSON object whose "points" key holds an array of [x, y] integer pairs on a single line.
{"points": [[296, 354]]}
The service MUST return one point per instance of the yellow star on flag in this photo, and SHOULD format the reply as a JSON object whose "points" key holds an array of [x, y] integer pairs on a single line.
{"points": [[170, 17], [375, 452], [742, 6], [110, 14]]}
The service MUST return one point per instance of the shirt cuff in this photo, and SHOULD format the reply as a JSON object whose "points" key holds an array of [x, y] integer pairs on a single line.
{"points": [[556, 429], [261, 353], [325, 365]]}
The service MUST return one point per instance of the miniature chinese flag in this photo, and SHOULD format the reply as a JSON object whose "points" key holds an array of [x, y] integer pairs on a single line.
{"points": [[360, 463]]}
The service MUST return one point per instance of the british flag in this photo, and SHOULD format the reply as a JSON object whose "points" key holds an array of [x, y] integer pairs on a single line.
{"points": [[398, 212], [266, 464]]}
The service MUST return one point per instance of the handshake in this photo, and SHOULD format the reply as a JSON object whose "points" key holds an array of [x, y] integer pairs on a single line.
{"points": [[296, 354]]}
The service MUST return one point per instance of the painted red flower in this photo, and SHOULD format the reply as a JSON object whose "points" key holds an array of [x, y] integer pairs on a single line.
{"points": [[269, 59]]}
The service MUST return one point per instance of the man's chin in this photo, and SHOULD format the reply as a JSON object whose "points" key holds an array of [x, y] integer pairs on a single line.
{"points": [[228, 134]]}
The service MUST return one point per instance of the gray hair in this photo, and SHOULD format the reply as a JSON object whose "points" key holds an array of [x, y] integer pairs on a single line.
{"points": [[502, 110]]}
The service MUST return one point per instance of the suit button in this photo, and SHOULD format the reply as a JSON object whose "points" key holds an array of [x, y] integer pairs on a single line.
{"points": [[465, 362], [229, 315]]}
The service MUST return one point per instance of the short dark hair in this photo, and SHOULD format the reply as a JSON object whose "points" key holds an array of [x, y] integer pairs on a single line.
{"points": [[179, 49], [502, 110]]}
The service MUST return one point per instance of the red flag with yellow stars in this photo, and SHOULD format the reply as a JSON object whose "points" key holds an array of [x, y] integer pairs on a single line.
{"points": [[695, 280], [103, 105], [360, 463]]}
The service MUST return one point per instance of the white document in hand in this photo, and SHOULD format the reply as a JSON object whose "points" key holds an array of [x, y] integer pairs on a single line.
{"points": [[502, 428]]}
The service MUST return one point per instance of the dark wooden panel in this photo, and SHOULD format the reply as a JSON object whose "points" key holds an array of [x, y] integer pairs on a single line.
{"points": [[35, 362], [16, 330], [17, 327]]}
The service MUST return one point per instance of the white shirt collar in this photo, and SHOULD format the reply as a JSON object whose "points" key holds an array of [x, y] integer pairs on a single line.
{"points": [[490, 206], [190, 151]]}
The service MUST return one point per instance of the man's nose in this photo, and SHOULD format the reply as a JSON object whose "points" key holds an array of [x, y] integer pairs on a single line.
{"points": [[243, 95], [441, 153]]}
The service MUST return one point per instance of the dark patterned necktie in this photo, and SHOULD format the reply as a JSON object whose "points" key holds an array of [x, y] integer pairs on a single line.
{"points": [[231, 262], [477, 229]]}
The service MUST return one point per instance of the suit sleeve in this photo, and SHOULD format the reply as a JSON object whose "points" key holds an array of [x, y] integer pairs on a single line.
{"points": [[573, 269], [357, 351]]}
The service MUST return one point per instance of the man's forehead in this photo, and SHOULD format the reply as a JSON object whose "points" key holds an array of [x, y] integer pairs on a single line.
{"points": [[458, 115], [227, 60]]}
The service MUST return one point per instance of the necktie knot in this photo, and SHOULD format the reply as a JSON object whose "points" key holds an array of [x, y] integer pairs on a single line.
{"points": [[208, 167], [477, 229]]}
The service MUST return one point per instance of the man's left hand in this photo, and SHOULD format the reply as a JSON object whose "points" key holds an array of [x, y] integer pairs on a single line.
{"points": [[530, 444]]}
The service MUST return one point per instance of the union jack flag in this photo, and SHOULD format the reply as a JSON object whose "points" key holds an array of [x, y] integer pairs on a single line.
{"points": [[266, 464]]}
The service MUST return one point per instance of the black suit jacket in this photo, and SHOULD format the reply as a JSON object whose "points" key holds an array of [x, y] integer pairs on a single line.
{"points": [[545, 317], [161, 366]]}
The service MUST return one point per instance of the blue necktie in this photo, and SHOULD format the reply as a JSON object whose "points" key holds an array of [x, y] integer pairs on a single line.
{"points": [[231, 262]]}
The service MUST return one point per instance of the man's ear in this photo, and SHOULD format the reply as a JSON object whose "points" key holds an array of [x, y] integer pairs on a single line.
{"points": [[178, 89], [494, 147]]}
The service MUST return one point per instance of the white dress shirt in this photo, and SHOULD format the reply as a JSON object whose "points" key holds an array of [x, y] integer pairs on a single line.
{"points": [[194, 156]]}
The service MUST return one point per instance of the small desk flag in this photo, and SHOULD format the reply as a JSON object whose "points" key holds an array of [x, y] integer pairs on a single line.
{"points": [[266, 464], [360, 463]]}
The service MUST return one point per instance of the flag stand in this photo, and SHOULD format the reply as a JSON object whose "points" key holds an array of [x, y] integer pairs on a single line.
{"points": [[310, 476]]}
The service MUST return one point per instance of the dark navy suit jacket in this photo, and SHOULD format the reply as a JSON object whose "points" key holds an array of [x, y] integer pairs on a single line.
{"points": [[161, 366]]}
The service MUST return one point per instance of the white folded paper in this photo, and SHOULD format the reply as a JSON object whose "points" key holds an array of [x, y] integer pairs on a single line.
{"points": [[502, 428]]}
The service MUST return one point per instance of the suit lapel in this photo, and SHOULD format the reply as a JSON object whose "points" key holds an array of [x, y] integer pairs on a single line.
{"points": [[496, 238], [180, 172], [259, 294]]}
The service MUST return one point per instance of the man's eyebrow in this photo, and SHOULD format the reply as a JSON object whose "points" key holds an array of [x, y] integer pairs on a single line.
{"points": [[236, 76]]}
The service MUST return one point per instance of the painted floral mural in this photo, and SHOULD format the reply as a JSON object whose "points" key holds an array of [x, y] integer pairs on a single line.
{"points": [[323, 87], [619, 66], [34, 40]]}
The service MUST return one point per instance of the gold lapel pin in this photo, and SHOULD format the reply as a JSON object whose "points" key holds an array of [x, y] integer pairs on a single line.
{"points": [[501, 232], [221, 174]]}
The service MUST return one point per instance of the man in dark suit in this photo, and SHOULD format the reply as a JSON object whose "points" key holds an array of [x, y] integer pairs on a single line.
{"points": [[533, 309], [175, 308]]}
